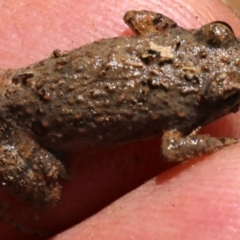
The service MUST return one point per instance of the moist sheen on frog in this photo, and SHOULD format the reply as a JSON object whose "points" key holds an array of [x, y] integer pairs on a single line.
{"points": [[165, 81]]}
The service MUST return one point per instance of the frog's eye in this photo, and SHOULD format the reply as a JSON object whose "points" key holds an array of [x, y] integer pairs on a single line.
{"points": [[216, 34]]}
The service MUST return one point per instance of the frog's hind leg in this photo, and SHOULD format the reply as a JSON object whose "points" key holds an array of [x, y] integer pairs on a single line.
{"points": [[28, 173], [145, 22], [8, 218], [176, 147]]}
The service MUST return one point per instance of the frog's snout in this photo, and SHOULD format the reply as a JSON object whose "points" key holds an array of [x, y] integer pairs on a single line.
{"points": [[224, 88]]}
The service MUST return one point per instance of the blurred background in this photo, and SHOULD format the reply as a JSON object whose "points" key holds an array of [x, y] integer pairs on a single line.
{"points": [[235, 4]]}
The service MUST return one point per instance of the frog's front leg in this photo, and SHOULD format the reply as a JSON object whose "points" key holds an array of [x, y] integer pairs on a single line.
{"points": [[176, 147], [28, 172], [145, 22]]}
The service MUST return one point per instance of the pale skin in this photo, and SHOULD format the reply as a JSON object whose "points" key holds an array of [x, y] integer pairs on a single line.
{"points": [[197, 199]]}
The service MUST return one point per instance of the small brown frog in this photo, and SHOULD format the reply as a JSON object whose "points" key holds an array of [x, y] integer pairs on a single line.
{"points": [[165, 81]]}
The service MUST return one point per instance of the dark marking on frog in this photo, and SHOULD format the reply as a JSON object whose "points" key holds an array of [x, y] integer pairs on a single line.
{"points": [[165, 81]]}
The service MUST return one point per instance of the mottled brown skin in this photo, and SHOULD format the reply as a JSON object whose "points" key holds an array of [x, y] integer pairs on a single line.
{"points": [[165, 81]]}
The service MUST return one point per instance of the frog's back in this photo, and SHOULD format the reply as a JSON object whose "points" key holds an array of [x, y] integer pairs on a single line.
{"points": [[116, 90]]}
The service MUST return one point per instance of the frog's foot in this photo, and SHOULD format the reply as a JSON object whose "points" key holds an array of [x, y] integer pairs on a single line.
{"points": [[176, 147], [144, 22]]}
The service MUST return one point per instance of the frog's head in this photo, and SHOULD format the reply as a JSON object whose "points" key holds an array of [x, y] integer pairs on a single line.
{"points": [[222, 93], [221, 90]]}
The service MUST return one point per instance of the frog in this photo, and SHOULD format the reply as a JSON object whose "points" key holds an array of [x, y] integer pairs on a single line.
{"points": [[164, 81]]}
